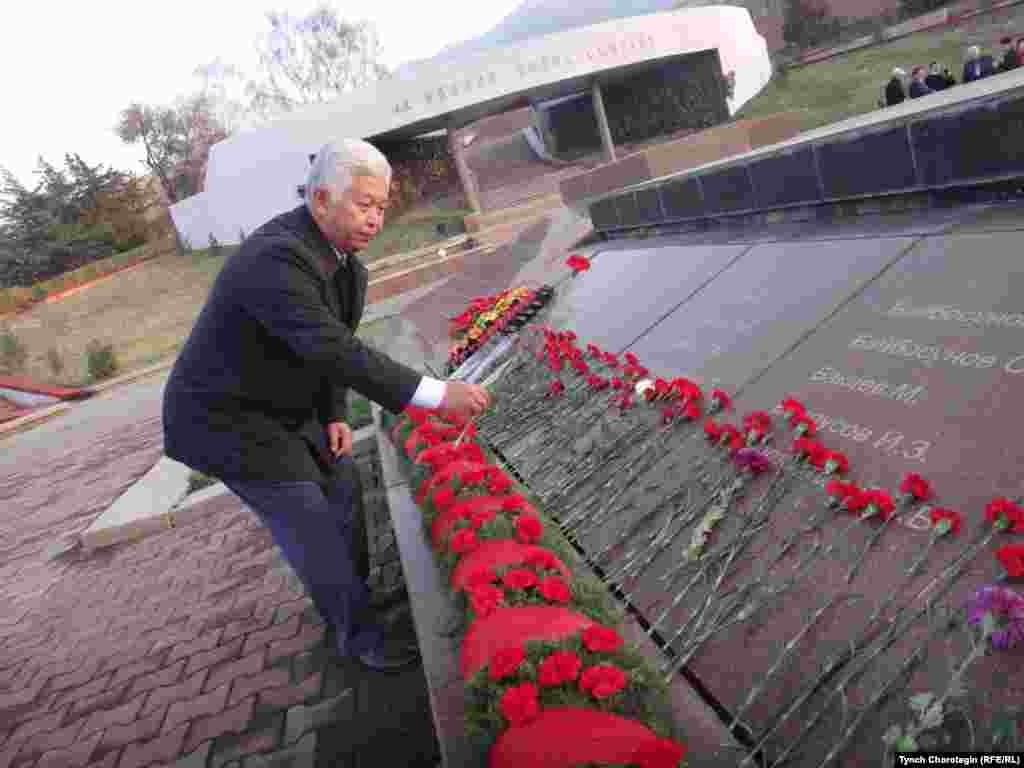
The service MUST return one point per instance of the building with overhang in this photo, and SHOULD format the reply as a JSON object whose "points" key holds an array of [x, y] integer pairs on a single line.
{"points": [[253, 175]]}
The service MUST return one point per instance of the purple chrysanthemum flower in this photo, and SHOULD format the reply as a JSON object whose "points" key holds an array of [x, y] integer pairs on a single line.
{"points": [[1006, 607], [754, 460]]}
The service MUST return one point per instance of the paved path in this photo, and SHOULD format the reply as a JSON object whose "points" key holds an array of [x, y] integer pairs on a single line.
{"points": [[195, 647]]}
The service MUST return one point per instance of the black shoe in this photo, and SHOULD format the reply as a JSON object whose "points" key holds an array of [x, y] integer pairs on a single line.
{"points": [[385, 658], [384, 601]]}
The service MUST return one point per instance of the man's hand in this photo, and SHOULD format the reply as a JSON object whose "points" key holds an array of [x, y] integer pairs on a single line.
{"points": [[464, 401], [339, 438]]}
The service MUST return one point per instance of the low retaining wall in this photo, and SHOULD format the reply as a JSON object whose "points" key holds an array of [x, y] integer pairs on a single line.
{"points": [[963, 137], [690, 152]]}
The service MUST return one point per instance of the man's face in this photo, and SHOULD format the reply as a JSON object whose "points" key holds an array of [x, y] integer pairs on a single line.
{"points": [[357, 215]]}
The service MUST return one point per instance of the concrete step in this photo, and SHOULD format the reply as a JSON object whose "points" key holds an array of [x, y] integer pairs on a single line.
{"points": [[158, 501]]}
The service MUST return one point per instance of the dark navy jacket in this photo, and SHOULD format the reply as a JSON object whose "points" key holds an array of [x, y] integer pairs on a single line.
{"points": [[270, 359]]}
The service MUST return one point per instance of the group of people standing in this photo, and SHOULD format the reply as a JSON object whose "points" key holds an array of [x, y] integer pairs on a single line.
{"points": [[925, 80]]}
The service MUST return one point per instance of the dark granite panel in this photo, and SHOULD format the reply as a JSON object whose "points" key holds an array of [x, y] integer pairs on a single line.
{"points": [[757, 308], [786, 179], [649, 205], [625, 291], [728, 190], [628, 209], [978, 142], [682, 199], [604, 214], [870, 162], [923, 372]]}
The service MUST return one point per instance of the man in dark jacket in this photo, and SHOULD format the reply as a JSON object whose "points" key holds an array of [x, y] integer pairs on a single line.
{"points": [[1010, 58], [936, 80], [894, 91], [977, 66], [257, 396], [917, 86]]}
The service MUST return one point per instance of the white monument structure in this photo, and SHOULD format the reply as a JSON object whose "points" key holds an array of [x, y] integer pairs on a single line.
{"points": [[252, 176]]}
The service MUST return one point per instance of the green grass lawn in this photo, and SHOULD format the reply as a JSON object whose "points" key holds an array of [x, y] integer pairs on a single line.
{"points": [[413, 230], [852, 84]]}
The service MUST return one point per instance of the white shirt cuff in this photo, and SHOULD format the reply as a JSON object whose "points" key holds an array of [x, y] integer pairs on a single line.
{"points": [[429, 394]]}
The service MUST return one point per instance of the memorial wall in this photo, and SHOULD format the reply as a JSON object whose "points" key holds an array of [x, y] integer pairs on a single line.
{"points": [[252, 176], [819, 554]]}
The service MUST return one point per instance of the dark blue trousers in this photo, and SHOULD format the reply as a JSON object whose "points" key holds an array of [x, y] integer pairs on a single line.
{"points": [[322, 534]]}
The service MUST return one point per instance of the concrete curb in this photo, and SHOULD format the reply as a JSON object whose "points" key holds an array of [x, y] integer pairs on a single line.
{"points": [[158, 502]]}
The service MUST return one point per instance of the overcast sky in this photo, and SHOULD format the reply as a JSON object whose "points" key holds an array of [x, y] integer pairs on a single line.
{"points": [[69, 68]]}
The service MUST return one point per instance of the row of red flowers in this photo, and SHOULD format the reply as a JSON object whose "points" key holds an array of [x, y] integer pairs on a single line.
{"points": [[544, 662], [560, 352]]}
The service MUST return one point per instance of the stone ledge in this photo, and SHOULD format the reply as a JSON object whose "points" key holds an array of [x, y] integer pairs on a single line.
{"points": [[158, 501]]}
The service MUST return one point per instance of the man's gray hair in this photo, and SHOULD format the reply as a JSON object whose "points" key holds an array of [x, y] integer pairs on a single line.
{"points": [[338, 162]]}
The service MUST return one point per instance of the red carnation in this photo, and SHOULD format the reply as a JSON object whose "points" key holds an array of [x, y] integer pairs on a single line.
{"points": [[512, 502], [542, 559], [1002, 511], [528, 528], [836, 463], [617, 383], [658, 753], [603, 681], [1012, 558], [915, 485], [856, 499], [731, 438], [505, 662], [484, 599], [723, 400], [443, 498], [472, 453], [694, 410], [499, 484], [600, 639], [667, 414], [882, 502], [464, 541], [611, 359], [948, 516], [687, 389], [482, 576], [594, 351], [560, 667], [473, 476], [837, 489], [712, 429], [631, 359], [758, 421], [807, 446], [556, 386], [519, 704], [519, 578], [553, 588], [793, 408], [805, 425], [482, 516]]}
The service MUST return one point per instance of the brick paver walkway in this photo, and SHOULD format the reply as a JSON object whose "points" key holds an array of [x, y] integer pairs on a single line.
{"points": [[194, 648]]}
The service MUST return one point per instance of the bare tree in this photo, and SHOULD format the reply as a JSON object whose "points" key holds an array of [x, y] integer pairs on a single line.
{"points": [[313, 59], [176, 141]]}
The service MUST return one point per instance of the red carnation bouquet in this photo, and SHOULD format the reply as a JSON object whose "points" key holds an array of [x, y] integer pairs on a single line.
{"points": [[541, 653]]}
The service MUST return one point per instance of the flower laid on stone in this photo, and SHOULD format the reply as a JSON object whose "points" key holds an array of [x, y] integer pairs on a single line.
{"points": [[1011, 556], [915, 488], [756, 426], [945, 521], [878, 503], [559, 668], [519, 704], [577, 264], [603, 681], [497, 549], [835, 463], [720, 401], [505, 662], [810, 450], [1000, 612], [1005, 515], [793, 409]]}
